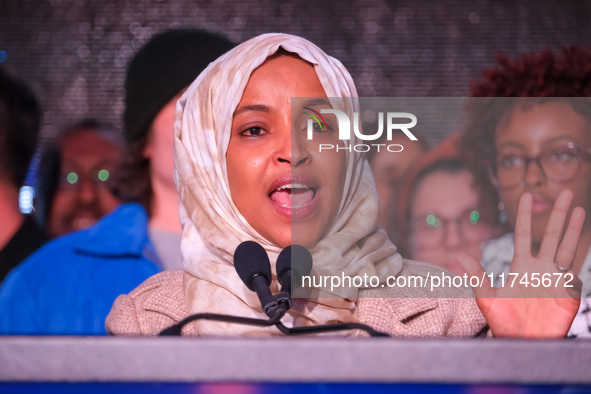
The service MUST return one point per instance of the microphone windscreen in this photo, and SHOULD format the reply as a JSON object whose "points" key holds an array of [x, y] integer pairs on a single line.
{"points": [[251, 260], [297, 259]]}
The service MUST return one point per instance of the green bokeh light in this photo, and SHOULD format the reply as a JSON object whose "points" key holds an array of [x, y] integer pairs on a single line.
{"points": [[432, 221], [474, 216], [72, 178], [103, 175]]}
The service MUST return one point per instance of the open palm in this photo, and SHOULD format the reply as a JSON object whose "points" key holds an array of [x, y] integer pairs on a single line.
{"points": [[540, 297]]}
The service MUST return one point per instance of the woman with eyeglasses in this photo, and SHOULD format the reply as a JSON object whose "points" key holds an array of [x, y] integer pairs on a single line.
{"points": [[529, 130], [440, 210]]}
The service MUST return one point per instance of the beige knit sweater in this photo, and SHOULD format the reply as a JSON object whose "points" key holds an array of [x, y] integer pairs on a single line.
{"points": [[159, 302]]}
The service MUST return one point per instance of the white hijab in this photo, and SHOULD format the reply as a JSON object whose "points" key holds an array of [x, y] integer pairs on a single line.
{"points": [[212, 225]]}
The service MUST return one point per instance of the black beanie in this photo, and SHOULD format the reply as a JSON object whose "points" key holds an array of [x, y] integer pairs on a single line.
{"points": [[168, 63]]}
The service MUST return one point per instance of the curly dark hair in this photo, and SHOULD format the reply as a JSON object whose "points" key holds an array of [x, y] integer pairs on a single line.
{"points": [[545, 76]]}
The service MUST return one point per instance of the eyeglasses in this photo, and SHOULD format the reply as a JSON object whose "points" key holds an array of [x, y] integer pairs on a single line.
{"points": [[430, 231], [559, 163], [73, 179]]}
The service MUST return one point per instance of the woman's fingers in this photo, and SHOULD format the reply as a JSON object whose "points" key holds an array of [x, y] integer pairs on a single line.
{"points": [[555, 225], [523, 226], [473, 268], [568, 247]]}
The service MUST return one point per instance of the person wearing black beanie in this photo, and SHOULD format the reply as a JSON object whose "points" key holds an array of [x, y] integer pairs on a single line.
{"points": [[157, 74], [77, 277], [161, 69], [156, 77]]}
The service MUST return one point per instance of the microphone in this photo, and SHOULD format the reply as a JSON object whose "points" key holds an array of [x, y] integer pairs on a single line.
{"points": [[294, 262], [253, 267]]}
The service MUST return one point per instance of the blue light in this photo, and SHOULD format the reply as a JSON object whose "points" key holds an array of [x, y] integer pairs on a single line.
{"points": [[3, 56], [25, 200]]}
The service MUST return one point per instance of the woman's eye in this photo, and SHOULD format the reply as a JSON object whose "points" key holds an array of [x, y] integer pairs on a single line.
{"points": [[510, 161], [321, 127], [318, 128], [563, 156], [252, 132]]}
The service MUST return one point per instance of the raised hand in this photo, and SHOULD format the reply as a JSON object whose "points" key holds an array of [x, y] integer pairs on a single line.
{"points": [[535, 308]]}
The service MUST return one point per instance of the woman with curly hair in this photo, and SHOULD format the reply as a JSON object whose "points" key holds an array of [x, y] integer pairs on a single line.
{"points": [[529, 130]]}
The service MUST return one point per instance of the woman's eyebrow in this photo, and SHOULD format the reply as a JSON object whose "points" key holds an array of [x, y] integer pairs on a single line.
{"points": [[254, 107], [317, 102], [564, 137]]}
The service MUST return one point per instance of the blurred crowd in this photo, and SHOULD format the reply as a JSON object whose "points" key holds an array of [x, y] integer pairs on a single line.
{"points": [[107, 198]]}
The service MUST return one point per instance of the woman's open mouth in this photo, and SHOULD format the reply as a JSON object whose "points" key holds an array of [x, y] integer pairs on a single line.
{"points": [[294, 196]]}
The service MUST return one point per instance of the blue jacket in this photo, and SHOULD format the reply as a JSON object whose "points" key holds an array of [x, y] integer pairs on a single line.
{"points": [[68, 286]]}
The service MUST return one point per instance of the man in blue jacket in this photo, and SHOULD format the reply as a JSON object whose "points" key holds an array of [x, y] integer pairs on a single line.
{"points": [[68, 286]]}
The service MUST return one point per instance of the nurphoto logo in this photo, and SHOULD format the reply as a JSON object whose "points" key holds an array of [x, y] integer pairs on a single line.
{"points": [[393, 123]]}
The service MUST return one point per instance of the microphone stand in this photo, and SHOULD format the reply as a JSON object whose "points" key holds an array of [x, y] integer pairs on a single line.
{"points": [[328, 328], [258, 279], [175, 330]]}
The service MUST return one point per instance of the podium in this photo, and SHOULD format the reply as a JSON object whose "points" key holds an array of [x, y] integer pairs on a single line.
{"points": [[292, 362]]}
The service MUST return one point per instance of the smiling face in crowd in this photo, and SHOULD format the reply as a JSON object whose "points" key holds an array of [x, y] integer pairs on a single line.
{"points": [[83, 195]]}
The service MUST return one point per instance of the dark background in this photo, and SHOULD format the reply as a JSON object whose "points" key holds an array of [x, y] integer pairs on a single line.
{"points": [[74, 52]]}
